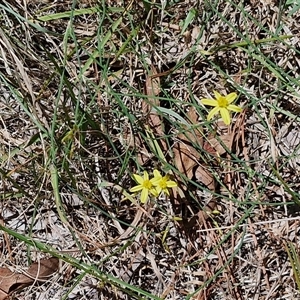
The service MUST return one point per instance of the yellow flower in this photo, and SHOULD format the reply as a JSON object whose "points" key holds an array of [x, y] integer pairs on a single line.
{"points": [[145, 185], [163, 183], [223, 105]]}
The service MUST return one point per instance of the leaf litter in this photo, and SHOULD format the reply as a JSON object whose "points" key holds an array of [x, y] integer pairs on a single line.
{"points": [[40, 271], [240, 246]]}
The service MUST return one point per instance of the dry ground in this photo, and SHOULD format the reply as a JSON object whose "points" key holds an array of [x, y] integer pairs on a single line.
{"points": [[74, 100]]}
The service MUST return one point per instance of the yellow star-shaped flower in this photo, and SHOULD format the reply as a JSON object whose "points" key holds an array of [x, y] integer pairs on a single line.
{"points": [[145, 185], [163, 183], [223, 105]]}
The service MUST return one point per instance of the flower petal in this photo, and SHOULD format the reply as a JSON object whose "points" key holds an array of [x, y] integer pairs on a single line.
{"points": [[156, 173], [158, 190], [234, 108], [146, 176], [214, 111], [136, 188], [157, 177], [217, 95], [225, 115], [210, 102], [139, 179], [144, 195], [154, 192], [166, 191], [231, 97], [171, 184]]}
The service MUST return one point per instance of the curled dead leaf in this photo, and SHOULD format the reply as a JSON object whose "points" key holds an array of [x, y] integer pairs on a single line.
{"points": [[43, 269], [38, 271], [7, 279]]}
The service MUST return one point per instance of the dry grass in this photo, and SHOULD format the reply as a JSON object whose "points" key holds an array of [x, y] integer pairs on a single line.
{"points": [[72, 132]]}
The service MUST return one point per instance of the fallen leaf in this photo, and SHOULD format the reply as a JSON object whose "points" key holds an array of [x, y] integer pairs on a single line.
{"points": [[186, 156], [43, 269], [203, 175], [7, 279], [38, 271], [152, 120], [152, 89], [3, 295], [135, 141], [152, 86], [214, 146]]}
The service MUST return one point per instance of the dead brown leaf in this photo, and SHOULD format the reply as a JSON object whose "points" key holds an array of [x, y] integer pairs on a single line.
{"points": [[3, 295], [152, 119], [152, 86], [38, 271], [7, 279], [203, 175], [152, 89], [187, 158], [185, 155], [43, 269], [214, 146], [135, 141]]}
